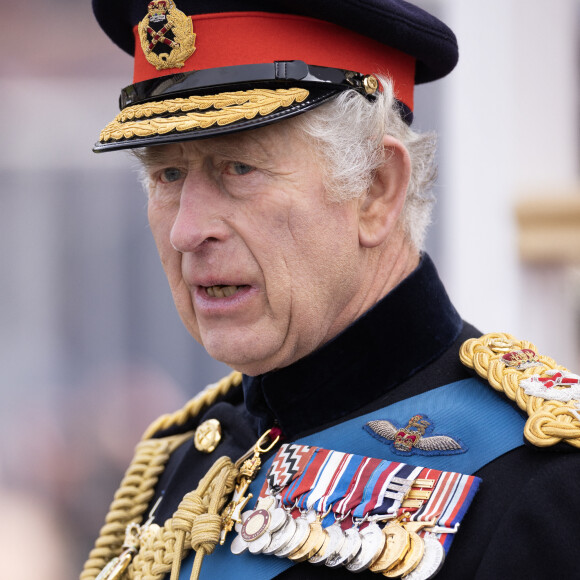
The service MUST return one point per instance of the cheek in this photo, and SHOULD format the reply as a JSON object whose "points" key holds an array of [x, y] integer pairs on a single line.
{"points": [[329, 260], [321, 258], [161, 221], [327, 236]]}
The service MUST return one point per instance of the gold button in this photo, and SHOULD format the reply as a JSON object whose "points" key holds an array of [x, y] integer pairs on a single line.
{"points": [[371, 84], [208, 435]]}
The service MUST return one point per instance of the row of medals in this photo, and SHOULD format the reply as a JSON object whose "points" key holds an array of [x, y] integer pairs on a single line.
{"points": [[395, 550]]}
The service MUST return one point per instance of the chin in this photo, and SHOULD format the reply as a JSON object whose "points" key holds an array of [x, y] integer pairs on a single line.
{"points": [[247, 365], [239, 355]]}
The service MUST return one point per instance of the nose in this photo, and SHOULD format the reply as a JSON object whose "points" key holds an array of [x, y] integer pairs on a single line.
{"points": [[200, 217]]}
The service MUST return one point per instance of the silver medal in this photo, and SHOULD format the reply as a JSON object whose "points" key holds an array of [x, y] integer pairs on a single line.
{"points": [[257, 525], [282, 536], [348, 551], [431, 562], [335, 542], [276, 521], [299, 537], [239, 545], [372, 544]]}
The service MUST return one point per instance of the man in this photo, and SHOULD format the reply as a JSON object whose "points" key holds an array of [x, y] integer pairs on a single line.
{"points": [[288, 198]]}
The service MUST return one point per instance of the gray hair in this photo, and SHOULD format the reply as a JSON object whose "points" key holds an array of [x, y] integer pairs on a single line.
{"points": [[348, 133]]}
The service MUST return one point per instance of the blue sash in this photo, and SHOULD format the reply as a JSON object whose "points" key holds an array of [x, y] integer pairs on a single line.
{"points": [[469, 411]]}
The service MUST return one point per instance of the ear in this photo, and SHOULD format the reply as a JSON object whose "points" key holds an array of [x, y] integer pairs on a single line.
{"points": [[380, 209]]}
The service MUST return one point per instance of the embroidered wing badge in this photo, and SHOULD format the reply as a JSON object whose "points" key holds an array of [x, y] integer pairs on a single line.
{"points": [[415, 438]]}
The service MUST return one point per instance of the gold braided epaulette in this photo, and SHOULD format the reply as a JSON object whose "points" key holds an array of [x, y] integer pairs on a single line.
{"points": [[546, 391]]}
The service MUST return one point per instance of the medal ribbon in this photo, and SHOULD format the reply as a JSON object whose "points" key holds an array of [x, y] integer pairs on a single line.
{"points": [[449, 502], [409, 473], [357, 485], [393, 489], [459, 501], [320, 484], [339, 483], [325, 482], [428, 511], [305, 482], [373, 488], [428, 474], [288, 490], [288, 464], [439, 498], [456, 506]]}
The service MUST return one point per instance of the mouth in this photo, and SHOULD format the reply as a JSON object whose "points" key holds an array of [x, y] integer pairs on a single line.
{"points": [[221, 291]]}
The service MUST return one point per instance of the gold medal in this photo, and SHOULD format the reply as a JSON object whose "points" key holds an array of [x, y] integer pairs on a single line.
{"points": [[397, 545], [431, 562], [411, 559], [329, 550], [317, 538]]}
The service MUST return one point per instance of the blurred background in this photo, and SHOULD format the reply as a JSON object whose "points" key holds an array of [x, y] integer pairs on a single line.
{"points": [[91, 349]]}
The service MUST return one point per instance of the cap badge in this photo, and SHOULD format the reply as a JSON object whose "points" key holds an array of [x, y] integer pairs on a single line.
{"points": [[411, 439], [166, 35]]}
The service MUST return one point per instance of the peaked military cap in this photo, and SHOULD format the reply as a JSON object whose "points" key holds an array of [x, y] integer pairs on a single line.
{"points": [[210, 67]]}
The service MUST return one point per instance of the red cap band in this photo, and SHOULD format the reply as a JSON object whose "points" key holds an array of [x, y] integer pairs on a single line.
{"points": [[238, 38]]}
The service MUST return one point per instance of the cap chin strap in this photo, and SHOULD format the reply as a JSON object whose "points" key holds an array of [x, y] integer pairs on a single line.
{"points": [[245, 77]]}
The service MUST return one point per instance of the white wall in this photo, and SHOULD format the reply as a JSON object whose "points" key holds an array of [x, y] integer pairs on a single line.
{"points": [[511, 124]]}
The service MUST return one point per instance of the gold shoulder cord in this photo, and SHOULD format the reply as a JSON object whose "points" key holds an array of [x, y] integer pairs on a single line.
{"points": [[196, 523], [548, 392]]}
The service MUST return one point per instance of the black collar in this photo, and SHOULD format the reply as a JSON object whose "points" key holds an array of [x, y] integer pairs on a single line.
{"points": [[401, 334]]}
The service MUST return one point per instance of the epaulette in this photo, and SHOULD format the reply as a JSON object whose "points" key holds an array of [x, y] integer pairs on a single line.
{"points": [[546, 391]]}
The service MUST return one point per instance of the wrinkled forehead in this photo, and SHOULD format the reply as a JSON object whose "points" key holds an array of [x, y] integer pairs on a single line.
{"points": [[257, 145]]}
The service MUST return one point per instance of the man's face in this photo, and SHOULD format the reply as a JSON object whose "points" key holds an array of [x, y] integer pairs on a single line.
{"points": [[263, 269]]}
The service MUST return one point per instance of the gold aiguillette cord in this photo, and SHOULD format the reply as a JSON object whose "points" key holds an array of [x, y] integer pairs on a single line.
{"points": [[246, 469], [115, 569]]}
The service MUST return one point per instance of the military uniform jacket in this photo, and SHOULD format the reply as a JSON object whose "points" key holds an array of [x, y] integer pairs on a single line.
{"points": [[523, 522]]}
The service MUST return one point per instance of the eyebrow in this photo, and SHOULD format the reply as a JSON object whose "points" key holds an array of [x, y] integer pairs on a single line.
{"points": [[160, 155], [240, 147]]}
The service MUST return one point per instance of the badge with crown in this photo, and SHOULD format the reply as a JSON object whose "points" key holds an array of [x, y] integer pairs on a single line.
{"points": [[166, 35], [548, 392]]}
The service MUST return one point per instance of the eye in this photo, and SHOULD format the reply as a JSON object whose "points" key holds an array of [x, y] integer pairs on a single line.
{"points": [[236, 168], [170, 174]]}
